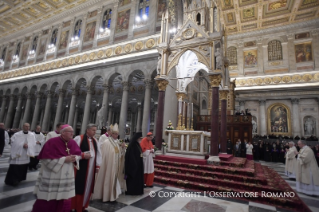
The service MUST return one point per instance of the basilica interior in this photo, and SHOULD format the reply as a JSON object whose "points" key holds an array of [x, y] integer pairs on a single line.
{"points": [[198, 64]]}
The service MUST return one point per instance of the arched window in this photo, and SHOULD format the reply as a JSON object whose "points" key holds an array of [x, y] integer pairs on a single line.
{"points": [[3, 56], [77, 29], [54, 36], [18, 49], [107, 19], [35, 43], [143, 10], [232, 55], [204, 105], [198, 19], [274, 50]]}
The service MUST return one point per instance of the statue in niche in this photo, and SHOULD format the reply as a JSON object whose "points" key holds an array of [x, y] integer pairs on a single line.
{"points": [[254, 123], [309, 126], [219, 59], [100, 118], [159, 64]]}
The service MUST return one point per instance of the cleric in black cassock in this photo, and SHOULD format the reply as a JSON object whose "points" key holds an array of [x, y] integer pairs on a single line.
{"points": [[229, 147], [134, 168]]}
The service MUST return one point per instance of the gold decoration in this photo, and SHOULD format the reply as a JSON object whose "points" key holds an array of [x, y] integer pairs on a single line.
{"points": [[138, 46], [176, 137], [258, 81], [276, 79], [190, 146], [52, 65], [77, 59], [37, 69], [150, 43], [118, 50], [47, 66], [267, 80], [188, 33], [100, 54], [307, 77], [92, 56], [275, 114], [316, 77], [70, 61], [286, 79], [84, 58], [215, 80], [109, 52], [223, 94], [64, 62], [128, 47], [296, 78], [59, 63], [181, 96], [250, 81], [161, 84], [32, 69]]}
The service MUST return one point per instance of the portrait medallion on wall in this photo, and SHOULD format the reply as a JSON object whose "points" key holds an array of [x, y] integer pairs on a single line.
{"points": [[303, 52], [123, 21], [250, 58], [279, 119], [89, 31]]}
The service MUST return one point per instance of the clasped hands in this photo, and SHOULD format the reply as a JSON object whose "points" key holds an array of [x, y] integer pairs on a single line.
{"points": [[25, 145], [70, 159]]}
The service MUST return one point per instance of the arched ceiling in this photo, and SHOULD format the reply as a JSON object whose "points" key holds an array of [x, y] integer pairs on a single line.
{"points": [[249, 15], [16, 15]]}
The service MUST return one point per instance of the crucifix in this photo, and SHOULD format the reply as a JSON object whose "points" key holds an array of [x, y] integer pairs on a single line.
{"points": [[68, 150]]}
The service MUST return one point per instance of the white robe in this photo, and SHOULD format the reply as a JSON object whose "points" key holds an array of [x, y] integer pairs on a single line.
{"points": [[20, 155], [55, 180], [91, 170], [51, 134], [103, 138], [38, 147], [291, 162], [6, 138], [148, 162], [307, 175]]}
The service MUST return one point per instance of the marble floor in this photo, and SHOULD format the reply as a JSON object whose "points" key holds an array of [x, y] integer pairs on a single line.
{"points": [[21, 198]]}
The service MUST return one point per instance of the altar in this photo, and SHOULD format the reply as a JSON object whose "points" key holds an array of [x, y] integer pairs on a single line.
{"points": [[184, 143]]}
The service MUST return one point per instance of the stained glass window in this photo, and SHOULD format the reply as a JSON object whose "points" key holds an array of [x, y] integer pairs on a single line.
{"points": [[107, 19], [77, 28], [54, 36], [274, 50]]}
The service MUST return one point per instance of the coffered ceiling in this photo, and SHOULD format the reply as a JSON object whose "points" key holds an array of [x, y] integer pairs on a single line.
{"points": [[16, 15], [249, 15]]}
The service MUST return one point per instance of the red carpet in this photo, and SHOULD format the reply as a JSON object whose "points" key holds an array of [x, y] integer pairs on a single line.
{"points": [[236, 175], [225, 157], [181, 159]]}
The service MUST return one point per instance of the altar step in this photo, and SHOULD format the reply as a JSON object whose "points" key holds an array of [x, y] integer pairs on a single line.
{"points": [[207, 178]]}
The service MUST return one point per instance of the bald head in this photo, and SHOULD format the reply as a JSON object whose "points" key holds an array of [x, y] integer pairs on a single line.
{"points": [[26, 127], [2, 125]]}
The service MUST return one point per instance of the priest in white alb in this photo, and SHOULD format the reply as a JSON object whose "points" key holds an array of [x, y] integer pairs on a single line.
{"points": [[291, 161], [103, 138], [110, 179], [22, 148], [39, 137], [55, 133], [55, 185], [307, 175]]}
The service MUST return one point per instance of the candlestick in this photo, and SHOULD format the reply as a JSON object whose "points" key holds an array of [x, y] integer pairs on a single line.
{"points": [[179, 107]]}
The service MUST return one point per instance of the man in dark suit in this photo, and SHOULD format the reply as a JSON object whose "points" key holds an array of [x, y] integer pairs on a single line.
{"points": [[2, 141]]}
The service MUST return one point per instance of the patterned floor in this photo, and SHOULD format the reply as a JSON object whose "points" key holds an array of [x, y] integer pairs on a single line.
{"points": [[21, 198]]}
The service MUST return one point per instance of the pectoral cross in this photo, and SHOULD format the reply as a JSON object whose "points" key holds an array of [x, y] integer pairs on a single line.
{"points": [[67, 150]]}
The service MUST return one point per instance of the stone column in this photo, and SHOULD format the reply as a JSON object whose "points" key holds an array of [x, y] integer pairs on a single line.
{"points": [[47, 111], [123, 113], [36, 112], [315, 47], [147, 107], [41, 117], [295, 118], [3, 107], [109, 120], [87, 109], [27, 109], [291, 50], [240, 59], [8, 122], [75, 118], [242, 105], [59, 107], [260, 56], [105, 103], [263, 120], [139, 117], [223, 121], [72, 108], [155, 118], [17, 115], [66, 115], [161, 84], [215, 80]]}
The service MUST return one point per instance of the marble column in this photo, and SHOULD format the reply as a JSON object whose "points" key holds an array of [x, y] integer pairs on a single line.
{"points": [[27, 110], [263, 120], [315, 47], [242, 106], [3, 107], [17, 115], [8, 122], [66, 115], [155, 118], [223, 121], [59, 108], [72, 108], [240, 58], [105, 104], [75, 121], [47, 111], [161, 84], [123, 113], [139, 117], [109, 120], [41, 117], [215, 80], [36, 112], [295, 118], [87, 109], [147, 107]]}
